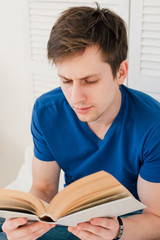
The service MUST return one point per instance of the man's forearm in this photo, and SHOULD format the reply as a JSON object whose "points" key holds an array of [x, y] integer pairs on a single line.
{"points": [[141, 227], [43, 194]]}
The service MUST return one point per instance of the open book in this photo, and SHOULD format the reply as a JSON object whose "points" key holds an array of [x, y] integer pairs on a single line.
{"points": [[96, 195]]}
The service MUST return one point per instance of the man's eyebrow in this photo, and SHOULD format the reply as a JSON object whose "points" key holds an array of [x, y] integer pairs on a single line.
{"points": [[83, 78], [61, 76]]}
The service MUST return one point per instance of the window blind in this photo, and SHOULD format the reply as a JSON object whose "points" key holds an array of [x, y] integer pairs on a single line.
{"points": [[150, 39], [144, 47]]}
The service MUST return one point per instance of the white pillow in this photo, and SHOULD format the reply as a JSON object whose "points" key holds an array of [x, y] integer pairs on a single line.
{"points": [[23, 182]]}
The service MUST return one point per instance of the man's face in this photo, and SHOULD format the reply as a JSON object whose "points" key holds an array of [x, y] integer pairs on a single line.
{"points": [[88, 85]]}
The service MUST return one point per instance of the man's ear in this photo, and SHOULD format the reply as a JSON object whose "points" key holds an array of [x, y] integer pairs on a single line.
{"points": [[122, 72]]}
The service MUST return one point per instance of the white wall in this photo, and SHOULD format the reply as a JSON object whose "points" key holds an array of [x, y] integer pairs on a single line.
{"points": [[17, 65], [14, 107]]}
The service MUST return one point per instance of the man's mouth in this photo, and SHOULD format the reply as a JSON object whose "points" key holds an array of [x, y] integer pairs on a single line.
{"points": [[82, 110]]}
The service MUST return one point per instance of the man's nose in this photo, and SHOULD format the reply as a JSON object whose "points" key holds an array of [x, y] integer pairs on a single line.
{"points": [[78, 94]]}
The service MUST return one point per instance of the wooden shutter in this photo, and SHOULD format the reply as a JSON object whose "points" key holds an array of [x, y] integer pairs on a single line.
{"points": [[144, 47], [42, 15]]}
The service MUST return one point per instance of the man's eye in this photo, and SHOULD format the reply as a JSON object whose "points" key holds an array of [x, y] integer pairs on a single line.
{"points": [[65, 82], [91, 82]]}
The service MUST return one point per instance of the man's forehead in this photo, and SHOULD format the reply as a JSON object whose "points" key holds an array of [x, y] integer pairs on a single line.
{"points": [[88, 65]]}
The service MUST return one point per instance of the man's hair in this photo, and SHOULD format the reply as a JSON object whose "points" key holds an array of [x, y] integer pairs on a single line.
{"points": [[80, 27]]}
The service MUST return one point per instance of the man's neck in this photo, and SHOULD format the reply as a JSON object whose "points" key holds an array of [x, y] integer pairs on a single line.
{"points": [[101, 125]]}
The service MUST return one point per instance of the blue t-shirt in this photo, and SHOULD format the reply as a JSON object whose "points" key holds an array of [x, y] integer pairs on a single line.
{"points": [[130, 147]]}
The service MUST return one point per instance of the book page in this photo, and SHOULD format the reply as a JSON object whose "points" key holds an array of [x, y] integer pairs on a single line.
{"points": [[16, 214], [83, 191], [111, 209], [11, 199], [100, 201], [12, 204]]}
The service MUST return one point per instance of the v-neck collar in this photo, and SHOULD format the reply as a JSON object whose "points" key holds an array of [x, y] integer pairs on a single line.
{"points": [[111, 129]]}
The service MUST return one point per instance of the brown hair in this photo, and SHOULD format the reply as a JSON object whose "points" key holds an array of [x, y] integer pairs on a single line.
{"points": [[80, 27]]}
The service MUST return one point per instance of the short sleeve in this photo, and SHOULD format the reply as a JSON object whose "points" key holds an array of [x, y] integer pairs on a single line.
{"points": [[41, 150], [150, 170]]}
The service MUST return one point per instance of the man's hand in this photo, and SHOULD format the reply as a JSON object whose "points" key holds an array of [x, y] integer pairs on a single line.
{"points": [[97, 229], [18, 228]]}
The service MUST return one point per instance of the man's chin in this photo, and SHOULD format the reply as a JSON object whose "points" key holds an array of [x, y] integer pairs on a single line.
{"points": [[82, 118], [86, 118]]}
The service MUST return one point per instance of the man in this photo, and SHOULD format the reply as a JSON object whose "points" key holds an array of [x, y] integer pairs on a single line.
{"points": [[94, 122]]}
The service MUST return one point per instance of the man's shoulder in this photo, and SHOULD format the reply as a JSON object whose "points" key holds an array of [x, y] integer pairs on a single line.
{"points": [[142, 103], [53, 98]]}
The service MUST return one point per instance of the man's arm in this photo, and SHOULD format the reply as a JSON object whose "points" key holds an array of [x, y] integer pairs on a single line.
{"points": [[45, 179], [45, 186], [145, 226]]}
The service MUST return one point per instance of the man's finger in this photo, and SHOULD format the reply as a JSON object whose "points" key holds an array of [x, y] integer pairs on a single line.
{"points": [[38, 233], [11, 224], [27, 231], [97, 231], [110, 223]]}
